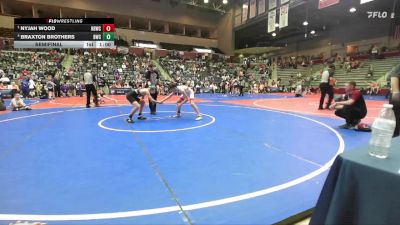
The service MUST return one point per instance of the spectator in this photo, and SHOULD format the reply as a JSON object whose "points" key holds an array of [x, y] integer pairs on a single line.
{"points": [[394, 77], [25, 72], [374, 52], [14, 87], [299, 90], [79, 89], [25, 87], [103, 85], [18, 104], [355, 64], [43, 93], [4, 79], [2, 106], [370, 73], [375, 87], [50, 87], [64, 90], [31, 87]]}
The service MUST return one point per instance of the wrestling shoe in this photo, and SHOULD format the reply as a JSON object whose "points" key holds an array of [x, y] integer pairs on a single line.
{"points": [[354, 126], [130, 120], [345, 126]]}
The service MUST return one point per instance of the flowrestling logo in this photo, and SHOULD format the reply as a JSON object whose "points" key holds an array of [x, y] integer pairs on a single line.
{"points": [[379, 15]]}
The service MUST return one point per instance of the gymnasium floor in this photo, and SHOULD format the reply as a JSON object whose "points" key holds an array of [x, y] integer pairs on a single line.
{"points": [[257, 159]]}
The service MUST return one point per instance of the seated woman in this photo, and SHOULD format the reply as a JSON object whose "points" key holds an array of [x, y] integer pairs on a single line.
{"points": [[18, 104]]}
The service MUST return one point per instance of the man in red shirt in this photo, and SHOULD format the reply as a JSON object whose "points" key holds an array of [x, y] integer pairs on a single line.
{"points": [[353, 108]]}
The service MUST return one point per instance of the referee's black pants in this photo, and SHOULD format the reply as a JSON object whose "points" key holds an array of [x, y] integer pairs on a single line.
{"points": [[325, 89], [153, 105], [57, 90], [91, 89], [351, 115], [241, 93]]}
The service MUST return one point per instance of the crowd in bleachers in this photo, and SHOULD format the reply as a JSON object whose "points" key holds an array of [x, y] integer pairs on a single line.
{"points": [[28, 72], [112, 70], [218, 76]]}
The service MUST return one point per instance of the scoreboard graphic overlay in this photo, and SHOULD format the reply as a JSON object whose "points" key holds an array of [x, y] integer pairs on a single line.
{"points": [[64, 33]]}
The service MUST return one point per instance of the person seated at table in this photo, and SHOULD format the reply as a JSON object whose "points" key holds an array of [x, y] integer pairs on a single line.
{"points": [[352, 108], [18, 104]]}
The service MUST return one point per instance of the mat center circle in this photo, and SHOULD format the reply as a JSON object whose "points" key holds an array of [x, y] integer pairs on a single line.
{"points": [[162, 122]]}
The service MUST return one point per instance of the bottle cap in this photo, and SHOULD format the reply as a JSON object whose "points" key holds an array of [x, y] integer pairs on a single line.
{"points": [[388, 106]]}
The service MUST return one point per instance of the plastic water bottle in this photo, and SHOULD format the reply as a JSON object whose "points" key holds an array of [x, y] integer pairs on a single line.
{"points": [[382, 132]]}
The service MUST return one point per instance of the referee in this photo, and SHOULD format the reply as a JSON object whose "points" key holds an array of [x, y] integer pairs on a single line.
{"points": [[152, 78], [326, 87], [89, 79]]}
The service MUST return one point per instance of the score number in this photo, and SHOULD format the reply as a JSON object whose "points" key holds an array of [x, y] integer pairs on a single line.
{"points": [[108, 32], [108, 36], [108, 27]]}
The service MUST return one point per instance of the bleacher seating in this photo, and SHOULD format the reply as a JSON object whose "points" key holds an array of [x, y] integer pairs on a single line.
{"points": [[286, 75], [380, 68], [14, 62], [6, 32]]}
